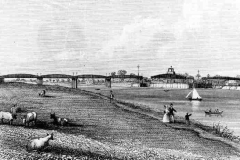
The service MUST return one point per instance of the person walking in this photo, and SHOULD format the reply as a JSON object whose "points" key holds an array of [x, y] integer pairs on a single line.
{"points": [[111, 96], [187, 120], [171, 113]]}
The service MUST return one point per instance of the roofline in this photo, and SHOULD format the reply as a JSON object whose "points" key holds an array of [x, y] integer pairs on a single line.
{"points": [[221, 77]]}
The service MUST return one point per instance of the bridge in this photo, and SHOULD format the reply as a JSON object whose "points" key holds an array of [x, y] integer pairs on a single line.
{"points": [[74, 78], [221, 77]]}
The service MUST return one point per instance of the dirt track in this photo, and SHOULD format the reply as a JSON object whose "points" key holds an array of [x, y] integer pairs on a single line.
{"points": [[101, 129]]}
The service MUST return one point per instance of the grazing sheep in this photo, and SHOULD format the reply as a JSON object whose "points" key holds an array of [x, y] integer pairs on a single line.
{"points": [[58, 120], [8, 116], [39, 143], [29, 118], [15, 109], [42, 94]]}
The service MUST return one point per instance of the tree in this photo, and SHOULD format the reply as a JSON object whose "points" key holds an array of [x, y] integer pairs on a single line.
{"points": [[113, 74], [132, 74], [186, 74], [122, 72]]}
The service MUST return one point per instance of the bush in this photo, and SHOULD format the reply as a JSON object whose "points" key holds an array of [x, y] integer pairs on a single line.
{"points": [[224, 132]]}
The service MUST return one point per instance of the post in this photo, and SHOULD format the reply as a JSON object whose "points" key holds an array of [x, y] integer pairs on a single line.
{"points": [[40, 80], [138, 77], [75, 82]]}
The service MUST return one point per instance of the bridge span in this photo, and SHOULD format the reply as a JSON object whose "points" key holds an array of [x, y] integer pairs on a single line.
{"points": [[72, 77]]}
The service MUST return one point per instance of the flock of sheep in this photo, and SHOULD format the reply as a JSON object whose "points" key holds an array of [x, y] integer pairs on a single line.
{"points": [[31, 117]]}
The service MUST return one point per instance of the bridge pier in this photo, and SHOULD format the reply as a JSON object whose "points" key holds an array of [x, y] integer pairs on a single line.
{"points": [[40, 80], [75, 82], [108, 82]]}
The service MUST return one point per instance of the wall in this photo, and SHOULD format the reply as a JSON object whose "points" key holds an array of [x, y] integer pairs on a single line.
{"points": [[170, 85]]}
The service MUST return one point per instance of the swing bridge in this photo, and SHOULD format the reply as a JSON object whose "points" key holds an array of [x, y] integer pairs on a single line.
{"points": [[74, 82]]}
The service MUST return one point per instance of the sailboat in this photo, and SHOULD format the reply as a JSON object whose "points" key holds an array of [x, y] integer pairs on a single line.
{"points": [[193, 95]]}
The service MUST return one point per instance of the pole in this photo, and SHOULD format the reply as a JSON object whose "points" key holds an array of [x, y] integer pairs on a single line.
{"points": [[138, 77]]}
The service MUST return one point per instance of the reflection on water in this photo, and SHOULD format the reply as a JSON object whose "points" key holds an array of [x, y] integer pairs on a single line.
{"points": [[195, 105]]}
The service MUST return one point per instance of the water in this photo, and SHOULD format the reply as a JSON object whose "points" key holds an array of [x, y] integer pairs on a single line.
{"points": [[224, 100], [229, 118]]}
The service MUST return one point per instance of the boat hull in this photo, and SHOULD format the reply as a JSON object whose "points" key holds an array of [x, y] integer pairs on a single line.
{"points": [[195, 99], [213, 113]]}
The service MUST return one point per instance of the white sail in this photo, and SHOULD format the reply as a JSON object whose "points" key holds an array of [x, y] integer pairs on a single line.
{"points": [[195, 94], [188, 94]]}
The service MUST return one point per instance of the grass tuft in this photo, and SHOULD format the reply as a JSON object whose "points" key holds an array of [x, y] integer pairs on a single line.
{"points": [[225, 132]]}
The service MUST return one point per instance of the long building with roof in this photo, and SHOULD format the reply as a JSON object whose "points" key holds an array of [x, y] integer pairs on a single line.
{"points": [[223, 82], [171, 80]]}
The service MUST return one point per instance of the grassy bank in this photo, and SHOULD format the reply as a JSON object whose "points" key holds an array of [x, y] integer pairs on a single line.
{"points": [[100, 129]]}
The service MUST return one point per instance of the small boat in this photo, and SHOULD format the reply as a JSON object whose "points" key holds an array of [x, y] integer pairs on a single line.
{"points": [[210, 113], [193, 95]]}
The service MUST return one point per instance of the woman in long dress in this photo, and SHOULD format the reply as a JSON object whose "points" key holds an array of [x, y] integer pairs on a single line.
{"points": [[166, 116]]}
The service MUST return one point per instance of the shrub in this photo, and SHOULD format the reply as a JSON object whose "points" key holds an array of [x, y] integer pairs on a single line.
{"points": [[225, 132]]}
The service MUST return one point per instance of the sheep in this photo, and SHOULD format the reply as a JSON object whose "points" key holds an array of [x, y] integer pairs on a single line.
{"points": [[8, 116], [58, 120], [42, 93], [39, 143], [15, 109], [30, 117]]}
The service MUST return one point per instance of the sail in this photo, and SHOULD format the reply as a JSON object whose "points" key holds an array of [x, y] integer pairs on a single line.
{"points": [[189, 94], [195, 94]]}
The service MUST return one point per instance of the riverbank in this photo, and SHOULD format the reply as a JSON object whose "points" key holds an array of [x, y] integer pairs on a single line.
{"points": [[223, 100], [204, 131], [99, 129]]}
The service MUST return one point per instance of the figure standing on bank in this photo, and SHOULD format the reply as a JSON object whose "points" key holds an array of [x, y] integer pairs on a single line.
{"points": [[187, 119], [171, 113], [111, 96]]}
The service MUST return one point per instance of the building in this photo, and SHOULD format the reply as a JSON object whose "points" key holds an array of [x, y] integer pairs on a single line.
{"points": [[171, 80], [172, 77], [220, 81]]}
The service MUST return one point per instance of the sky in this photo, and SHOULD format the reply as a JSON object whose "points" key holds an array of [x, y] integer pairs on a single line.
{"points": [[104, 36]]}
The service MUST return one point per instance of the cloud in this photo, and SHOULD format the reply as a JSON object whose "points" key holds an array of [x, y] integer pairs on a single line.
{"points": [[144, 36], [71, 55]]}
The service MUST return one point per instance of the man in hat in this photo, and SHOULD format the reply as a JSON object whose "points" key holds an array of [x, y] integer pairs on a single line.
{"points": [[171, 113]]}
